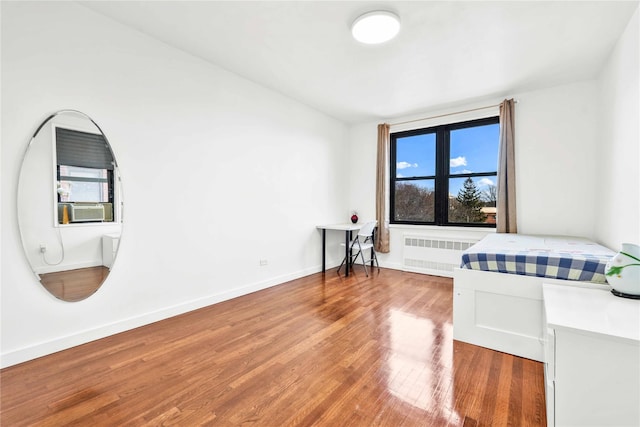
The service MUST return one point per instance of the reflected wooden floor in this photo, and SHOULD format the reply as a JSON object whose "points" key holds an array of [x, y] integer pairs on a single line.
{"points": [[74, 285], [323, 350]]}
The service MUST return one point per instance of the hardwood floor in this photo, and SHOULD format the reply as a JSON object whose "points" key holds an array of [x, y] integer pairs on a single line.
{"points": [[74, 285], [323, 350]]}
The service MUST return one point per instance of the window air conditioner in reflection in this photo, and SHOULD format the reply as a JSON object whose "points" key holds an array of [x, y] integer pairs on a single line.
{"points": [[86, 213], [83, 213]]}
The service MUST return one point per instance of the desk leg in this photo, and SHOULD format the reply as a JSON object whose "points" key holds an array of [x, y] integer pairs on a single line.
{"points": [[373, 237], [347, 252], [324, 248]]}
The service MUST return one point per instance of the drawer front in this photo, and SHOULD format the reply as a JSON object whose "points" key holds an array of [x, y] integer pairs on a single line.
{"points": [[550, 354]]}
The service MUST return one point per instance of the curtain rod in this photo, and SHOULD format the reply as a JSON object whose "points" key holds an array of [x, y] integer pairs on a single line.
{"points": [[447, 114]]}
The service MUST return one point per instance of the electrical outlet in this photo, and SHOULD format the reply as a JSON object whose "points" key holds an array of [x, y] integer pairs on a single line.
{"points": [[43, 248], [263, 262]]}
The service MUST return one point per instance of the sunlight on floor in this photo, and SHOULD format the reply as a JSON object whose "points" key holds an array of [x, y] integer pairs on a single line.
{"points": [[416, 346]]}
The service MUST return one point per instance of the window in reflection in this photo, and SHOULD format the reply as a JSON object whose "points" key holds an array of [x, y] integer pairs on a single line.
{"points": [[84, 176], [76, 184]]}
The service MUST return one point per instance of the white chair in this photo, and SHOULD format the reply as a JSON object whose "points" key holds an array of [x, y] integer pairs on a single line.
{"points": [[362, 242]]}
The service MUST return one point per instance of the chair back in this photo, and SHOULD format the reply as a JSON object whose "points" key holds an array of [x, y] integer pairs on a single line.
{"points": [[367, 229]]}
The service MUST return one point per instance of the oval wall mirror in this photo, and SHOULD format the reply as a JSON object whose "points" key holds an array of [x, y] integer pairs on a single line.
{"points": [[69, 202]]}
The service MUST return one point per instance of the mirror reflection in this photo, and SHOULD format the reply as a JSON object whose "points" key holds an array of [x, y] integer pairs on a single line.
{"points": [[70, 205]]}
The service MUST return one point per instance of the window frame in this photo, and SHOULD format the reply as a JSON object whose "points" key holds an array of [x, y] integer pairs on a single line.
{"points": [[442, 172], [112, 180]]}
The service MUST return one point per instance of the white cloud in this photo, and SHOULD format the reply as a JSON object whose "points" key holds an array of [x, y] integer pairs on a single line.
{"points": [[405, 165], [458, 161], [464, 171], [485, 181]]}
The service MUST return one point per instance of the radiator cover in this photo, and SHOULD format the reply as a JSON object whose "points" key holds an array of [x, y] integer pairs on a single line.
{"points": [[433, 255]]}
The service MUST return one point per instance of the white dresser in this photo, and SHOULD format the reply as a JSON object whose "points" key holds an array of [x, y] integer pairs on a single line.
{"points": [[592, 357]]}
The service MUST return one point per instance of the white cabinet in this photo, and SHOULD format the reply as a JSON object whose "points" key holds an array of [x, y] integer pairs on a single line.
{"points": [[592, 357], [109, 248]]}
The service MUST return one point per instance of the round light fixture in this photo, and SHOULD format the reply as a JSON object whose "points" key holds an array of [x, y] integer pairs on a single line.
{"points": [[376, 27]]}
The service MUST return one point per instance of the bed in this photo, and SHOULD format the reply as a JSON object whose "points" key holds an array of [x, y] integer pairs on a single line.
{"points": [[497, 291]]}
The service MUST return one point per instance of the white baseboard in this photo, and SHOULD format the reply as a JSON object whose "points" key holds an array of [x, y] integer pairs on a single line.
{"points": [[391, 265], [54, 345]]}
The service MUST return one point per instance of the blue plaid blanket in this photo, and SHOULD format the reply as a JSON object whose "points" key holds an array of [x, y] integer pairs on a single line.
{"points": [[552, 257]]}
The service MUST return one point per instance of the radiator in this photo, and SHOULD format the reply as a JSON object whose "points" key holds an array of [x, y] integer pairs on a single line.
{"points": [[433, 255]]}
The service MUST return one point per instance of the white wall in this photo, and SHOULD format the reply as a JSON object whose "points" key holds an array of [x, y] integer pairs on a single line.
{"points": [[217, 173], [556, 137], [618, 168]]}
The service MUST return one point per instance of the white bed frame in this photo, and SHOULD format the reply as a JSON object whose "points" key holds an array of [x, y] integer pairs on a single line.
{"points": [[502, 311]]}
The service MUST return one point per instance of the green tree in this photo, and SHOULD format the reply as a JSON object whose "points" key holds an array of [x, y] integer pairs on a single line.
{"points": [[466, 207]]}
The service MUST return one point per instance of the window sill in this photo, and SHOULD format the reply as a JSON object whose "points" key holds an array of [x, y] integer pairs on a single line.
{"points": [[442, 228], [473, 233], [87, 224]]}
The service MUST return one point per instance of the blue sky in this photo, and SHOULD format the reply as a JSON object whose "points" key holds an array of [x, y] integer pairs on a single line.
{"points": [[472, 149]]}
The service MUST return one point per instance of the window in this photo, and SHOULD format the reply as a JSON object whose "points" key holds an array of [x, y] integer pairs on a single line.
{"points": [[78, 184], [445, 175], [84, 175]]}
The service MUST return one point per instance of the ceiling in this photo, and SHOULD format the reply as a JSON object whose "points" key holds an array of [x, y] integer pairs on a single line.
{"points": [[447, 52]]}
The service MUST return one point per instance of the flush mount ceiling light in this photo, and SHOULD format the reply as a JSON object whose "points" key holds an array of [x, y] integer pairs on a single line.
{"points": [[376, 27]]}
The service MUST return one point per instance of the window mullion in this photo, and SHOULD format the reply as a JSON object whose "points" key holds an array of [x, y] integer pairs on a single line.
{"points": [[442, 170], [82, 179]]}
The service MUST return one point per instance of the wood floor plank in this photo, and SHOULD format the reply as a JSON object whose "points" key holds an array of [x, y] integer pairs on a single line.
{"points": [[323, 350]]}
